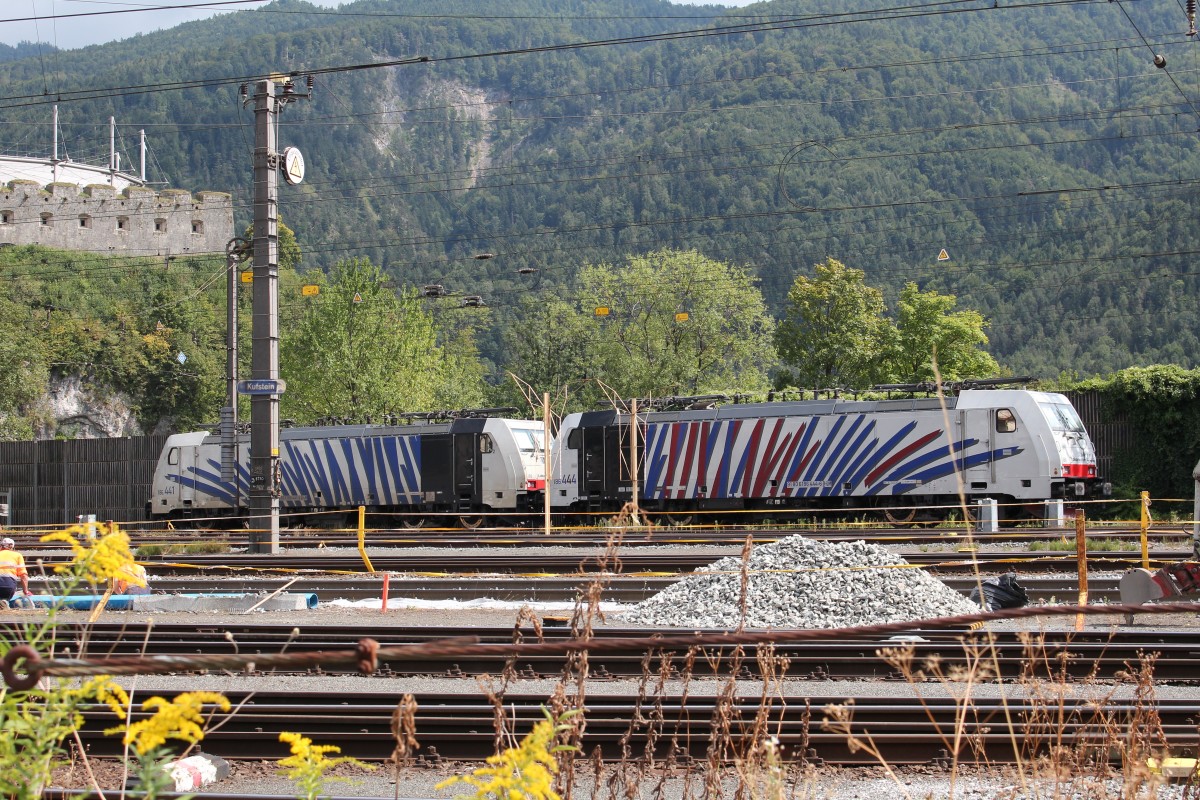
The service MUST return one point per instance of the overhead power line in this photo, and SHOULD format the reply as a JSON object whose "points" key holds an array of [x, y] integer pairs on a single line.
{"points": [[942, 8]]}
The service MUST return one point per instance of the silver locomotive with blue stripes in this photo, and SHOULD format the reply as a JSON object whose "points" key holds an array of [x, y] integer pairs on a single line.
{"points": [[436, 471], [1020, 448], [903, 457]]}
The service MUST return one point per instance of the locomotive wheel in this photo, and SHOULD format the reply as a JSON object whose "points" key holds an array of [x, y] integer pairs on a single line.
{"points": [[471, 522], [413, 523], [900, 517]]}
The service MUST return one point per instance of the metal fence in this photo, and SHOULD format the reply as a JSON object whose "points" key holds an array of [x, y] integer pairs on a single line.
{"points": [[1111, 433], [54, 482]]}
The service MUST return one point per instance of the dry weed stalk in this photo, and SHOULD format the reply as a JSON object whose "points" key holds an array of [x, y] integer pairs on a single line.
{"points": [[648, 718], [1066, 749], [744, 584], [404, 731], [1143, 736], [494, 694], [571, 692], [760, 765], [839, 719], [958, 680], [526, 614]]}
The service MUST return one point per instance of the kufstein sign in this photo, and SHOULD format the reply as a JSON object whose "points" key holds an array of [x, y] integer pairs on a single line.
{"points": [[261, 386]]}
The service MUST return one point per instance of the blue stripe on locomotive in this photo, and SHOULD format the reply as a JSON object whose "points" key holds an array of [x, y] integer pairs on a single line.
{"points": [[379, 470], [842, 457]]}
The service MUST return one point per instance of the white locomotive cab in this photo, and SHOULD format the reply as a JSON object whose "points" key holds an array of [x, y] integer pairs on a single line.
{"points": [[564, 481], [1062, 452], [512, 461], [179, 456]]}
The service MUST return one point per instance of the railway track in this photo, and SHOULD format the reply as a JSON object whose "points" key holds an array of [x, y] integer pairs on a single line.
{"points": [[533, 564], [1075, 655], [616, 589], [733, 536], [457, 562], [460, 727]]}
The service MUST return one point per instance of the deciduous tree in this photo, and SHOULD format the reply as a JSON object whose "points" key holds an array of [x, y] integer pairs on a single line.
{"points": [[927, 326], [361, 348], [833, 331]]}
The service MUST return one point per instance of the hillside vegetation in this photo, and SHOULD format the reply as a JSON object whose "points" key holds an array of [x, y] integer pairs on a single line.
{"points": [[1036, 144]]}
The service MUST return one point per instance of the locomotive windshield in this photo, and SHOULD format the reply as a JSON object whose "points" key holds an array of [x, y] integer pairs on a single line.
{"points": [[528, 441], [1062, 417]]}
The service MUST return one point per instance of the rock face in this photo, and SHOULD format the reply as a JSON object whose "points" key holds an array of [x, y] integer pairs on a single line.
{"points": [[80, 410], [801, 583]]}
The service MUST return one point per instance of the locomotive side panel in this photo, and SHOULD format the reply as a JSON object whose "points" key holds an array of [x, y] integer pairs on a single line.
{"points": [[834, 455], [472, 464], [1010, 445]]}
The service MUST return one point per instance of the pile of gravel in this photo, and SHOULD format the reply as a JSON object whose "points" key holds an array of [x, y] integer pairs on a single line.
{"points": [[801, 583]]}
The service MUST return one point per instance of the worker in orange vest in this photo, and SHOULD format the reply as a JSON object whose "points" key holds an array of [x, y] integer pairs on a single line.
{"points": [[12, 570]]}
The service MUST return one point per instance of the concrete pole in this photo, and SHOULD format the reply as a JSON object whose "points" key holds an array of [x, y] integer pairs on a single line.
{"points": [[229, 414], [142, 149], [549, 476], [112, 151], [54, 158], [264, 408]]}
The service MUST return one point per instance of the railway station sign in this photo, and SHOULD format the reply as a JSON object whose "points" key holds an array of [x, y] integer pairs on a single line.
{"points": [[261, 386]]}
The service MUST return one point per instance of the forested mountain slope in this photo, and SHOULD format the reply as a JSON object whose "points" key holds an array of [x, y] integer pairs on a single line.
{"points": [[1036, 143]]}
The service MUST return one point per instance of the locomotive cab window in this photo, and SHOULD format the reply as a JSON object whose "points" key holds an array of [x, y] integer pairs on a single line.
{"points": [[485, 443], [575, 439], [173, 456], [1006, 421]]}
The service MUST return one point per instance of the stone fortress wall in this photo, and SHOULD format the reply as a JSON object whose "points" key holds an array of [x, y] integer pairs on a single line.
{"points": [[98, 218]]}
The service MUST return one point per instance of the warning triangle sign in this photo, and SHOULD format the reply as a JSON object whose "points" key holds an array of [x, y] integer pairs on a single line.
{"points": [[943, 255]]}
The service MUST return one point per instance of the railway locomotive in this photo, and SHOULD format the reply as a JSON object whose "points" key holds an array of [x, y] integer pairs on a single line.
{"points": [[443, 470], [1019, 447]]}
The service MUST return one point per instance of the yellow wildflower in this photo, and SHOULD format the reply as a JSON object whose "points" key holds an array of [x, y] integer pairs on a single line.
{"points": [[107, 691], [95, 560], [307, 764], [181, 718], [524, 771]]}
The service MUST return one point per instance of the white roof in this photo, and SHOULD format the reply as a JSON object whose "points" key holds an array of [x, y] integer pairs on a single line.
{"points": [[43, 171]]}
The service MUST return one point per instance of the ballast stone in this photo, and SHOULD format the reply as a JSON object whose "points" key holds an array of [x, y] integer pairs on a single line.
{"points": [[802, 583]]}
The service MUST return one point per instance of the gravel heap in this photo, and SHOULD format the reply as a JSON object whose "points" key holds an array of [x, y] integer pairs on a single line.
{"points": [[783, 593]]}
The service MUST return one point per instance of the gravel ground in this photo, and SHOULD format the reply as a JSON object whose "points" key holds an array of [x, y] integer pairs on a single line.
{"points": [[825, 782]]}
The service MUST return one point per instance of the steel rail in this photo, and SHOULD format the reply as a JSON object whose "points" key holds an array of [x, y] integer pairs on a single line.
{"points": [[1094, 654], [615, 588], [633, 537], [907, 730], [23, 666], [459, 562]]}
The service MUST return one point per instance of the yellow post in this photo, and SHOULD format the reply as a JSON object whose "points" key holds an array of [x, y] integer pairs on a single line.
{"points": [[362, 537], [1081, 557], [1145, 530]]}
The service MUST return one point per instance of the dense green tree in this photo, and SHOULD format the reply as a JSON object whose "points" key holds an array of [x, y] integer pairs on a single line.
{"points": [[23, 370], [666, 323], [290, 253], [927, 327], [833, 332], [360, 348], [678, 323], [551, 353]]}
